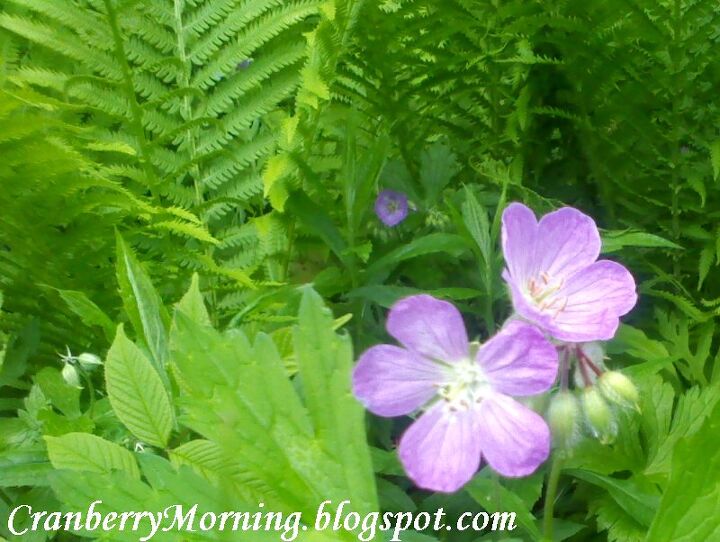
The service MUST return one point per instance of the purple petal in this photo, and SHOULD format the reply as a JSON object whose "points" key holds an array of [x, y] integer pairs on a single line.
{"points": [[430, 327], [596, 298], [519, 232], [526, 308], [515, 440], [392, 381], [441, 450], [519, 360], [569, 241], [391, 207]]}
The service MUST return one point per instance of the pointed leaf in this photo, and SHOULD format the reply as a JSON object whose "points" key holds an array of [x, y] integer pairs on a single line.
{"points": [[136, 392], [143, 305], [86, 452]]}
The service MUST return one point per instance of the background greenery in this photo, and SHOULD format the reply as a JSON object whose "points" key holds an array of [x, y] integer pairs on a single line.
{"points": [[242, 143]]}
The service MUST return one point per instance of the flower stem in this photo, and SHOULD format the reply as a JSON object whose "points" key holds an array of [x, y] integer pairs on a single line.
{"points": [[91, 388], [550, 495]]}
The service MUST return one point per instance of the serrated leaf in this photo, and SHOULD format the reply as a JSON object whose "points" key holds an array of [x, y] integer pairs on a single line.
{"points": [[186, 229], [325, 362], [639, 501], [206, 457], [476, 221], [438, 165], [690, 412], [705, 262], [715, 158], [136, 392], [193, 304], [86, 452], [112, 146], [613, 241], [688, 510], [613, 518]]}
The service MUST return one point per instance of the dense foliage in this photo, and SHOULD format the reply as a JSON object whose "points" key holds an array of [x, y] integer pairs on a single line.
{"points": [[187, 194]]}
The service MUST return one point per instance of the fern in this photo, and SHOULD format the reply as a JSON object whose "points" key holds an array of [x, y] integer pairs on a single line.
{"points": [[176, 98]]}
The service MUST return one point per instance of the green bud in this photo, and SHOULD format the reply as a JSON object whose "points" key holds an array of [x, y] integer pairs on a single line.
{"points": [[71, 376], [563, 416], [88, 361], [598, 415], [619, 389]]}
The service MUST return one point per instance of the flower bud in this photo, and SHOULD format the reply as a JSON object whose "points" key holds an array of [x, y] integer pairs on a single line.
{"points": [[563, 417], [71, 376], [619, 389], [88, 361], [598, 415]]}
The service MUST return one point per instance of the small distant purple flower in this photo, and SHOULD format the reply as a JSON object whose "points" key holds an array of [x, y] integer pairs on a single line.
{"points": [[466, 397], [391, 207], [244, 65], [554, 278]]}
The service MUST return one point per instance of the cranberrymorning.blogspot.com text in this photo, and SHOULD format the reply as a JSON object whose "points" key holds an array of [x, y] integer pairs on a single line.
{"points": [[289, 526]]}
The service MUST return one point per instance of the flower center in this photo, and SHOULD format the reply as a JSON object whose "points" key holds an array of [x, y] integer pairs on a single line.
{"points": [[542, 292], [467, 386]]}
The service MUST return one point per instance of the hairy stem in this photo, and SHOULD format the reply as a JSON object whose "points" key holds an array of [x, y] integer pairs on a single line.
{"points": [[550, 496]]}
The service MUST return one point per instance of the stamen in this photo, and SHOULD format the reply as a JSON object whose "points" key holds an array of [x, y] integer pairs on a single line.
{"points": [[468, 387], [543, 293]]}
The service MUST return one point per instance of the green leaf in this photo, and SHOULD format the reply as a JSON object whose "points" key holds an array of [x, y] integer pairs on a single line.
{"points": [[639, 501], [143, 305], [325, 363], [438, 165], [64, 397], [239, 397], [387, 295], [715, 158], [393, 498], [613, 518], [17, 352], [429, 244], [85, 452], [476, 221], [186, 229], [612, 241], [494, 497], [206, 457], [193, 304], [385, 462], [24, 468], [688, 509], [89, 312], [705, 262], [136, 392], [317, 220], [690, 412]]}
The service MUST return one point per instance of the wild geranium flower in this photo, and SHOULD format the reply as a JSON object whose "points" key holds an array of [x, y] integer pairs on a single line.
{"points": [[554, 278], [391, 207], [465, 393]]}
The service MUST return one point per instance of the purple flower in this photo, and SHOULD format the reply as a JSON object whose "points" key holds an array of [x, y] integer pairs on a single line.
{"points": [[391, 207], [469, 413], [554, 278]]}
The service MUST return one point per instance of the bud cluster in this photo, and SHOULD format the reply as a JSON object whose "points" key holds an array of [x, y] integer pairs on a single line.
{"points": [[75, 366], [592, 404]]}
